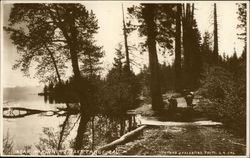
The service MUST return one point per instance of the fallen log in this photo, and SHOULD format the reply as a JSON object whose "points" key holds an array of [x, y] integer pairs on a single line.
{"points": [[119, 141], [237, 143]]}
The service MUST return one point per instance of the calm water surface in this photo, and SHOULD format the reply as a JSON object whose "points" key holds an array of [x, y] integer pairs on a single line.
{"points": [[42, 134]]}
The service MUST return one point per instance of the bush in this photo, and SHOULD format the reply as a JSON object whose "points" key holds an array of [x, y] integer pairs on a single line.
{"points": [[7, 145], [228, 102]]}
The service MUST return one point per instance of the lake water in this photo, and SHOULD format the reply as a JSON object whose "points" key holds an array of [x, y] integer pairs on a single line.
{"points": [[43, 134]]}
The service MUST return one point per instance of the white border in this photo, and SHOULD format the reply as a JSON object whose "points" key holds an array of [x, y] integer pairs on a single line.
{"points": [[248, 95], [66, 1], [1, 83]]}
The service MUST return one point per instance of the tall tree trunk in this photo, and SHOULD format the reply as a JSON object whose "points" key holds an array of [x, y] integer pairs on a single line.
{"points": [[126, 41], [178, 86], [71, 39], [155, 88], [73, 52], [192, 15], [193, 50], [75, 65], [187, 44], [216, 53], [81, 91]]}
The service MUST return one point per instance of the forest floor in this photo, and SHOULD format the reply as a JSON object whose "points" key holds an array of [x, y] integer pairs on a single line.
{"points": [[181, 138], [184, 140]]}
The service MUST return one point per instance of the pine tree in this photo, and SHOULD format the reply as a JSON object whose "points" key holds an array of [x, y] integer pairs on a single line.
{"points": [[126, 41], [196, 59], [91, 60], [68, 40], [177, 63], [148, 14], [121, 89], [156, 24], [191, 45], [186, 45], [215, 51], [206, 50]]}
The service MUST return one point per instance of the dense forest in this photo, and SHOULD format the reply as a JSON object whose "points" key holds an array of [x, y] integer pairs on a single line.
{"points": [[54, 37]]}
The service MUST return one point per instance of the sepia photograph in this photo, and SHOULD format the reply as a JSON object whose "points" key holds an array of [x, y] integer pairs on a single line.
{"points": [[124, 78]]}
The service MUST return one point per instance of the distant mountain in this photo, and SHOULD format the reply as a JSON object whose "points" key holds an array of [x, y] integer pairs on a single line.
{"points": [[14, 92]]}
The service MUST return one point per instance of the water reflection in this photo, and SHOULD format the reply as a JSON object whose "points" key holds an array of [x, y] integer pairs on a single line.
{"points": [[54, 99], [104, 129], [45, 99], [58, 132], [52, 142], [92, 133]]}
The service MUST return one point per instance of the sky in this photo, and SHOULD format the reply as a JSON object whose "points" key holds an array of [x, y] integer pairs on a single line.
{"points": [[110, 34]]}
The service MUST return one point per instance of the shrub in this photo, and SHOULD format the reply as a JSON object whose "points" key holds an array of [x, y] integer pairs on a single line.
{"points": [[228, 102], [7, 145]]}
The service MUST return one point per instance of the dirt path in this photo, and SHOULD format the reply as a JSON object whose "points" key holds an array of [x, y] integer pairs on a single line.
{"points": [[181, 138], [184, 140]]}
